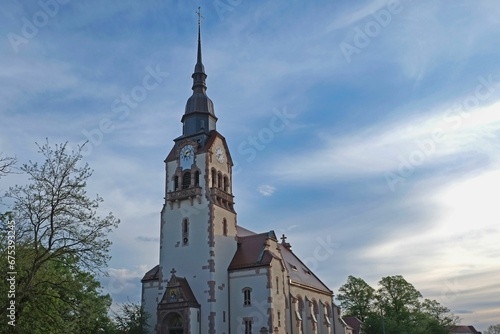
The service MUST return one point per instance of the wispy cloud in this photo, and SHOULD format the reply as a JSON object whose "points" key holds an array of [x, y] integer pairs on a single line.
{"points": [[266, 190], [426, 141], [353, 16], [155, 240]]}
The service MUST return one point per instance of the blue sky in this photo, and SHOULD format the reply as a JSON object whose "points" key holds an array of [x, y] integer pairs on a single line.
{"points": [[366, 131]]}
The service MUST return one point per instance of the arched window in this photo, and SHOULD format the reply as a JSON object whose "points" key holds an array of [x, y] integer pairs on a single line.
{"points": [[301, 307], [226, 183], [176, 183], [197, 178], [247, 296], [186, 180], [224, 226], [315, 312], [299, 312], [185, 231], [248, 326], [328, 314], [214, 177], [219, 180]]}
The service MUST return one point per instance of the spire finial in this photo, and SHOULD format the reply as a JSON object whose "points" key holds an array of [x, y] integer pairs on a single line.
{"points": [[284, 243], [199, 68], [199, 33], [199, 18]]}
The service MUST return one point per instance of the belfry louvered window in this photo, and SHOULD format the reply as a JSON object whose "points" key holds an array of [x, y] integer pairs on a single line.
{"points": [[186, 180], [176, 182]]}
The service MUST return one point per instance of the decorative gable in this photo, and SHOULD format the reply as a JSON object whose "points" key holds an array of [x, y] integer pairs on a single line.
{"points": [[178, 294]]}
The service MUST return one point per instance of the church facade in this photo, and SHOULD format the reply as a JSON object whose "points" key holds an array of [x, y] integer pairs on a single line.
{"points": [[215, 276]]}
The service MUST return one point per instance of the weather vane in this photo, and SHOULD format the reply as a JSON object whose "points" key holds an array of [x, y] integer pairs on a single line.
{"points": [[199, 16]]}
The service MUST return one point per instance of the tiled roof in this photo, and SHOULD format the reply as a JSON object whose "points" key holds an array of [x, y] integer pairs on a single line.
{"points": [[299, 272], [464, 330], [353, 322], [152, 275], [252, 252], [243, 232]]}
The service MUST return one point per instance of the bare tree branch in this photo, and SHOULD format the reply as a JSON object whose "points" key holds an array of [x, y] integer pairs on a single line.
{"points": [[6, 164]]}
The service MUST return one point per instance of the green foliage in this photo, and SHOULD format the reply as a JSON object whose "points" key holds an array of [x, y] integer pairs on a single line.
{"points": [[395, 308], [131, 319], [60, 298], [61, 245], [356, 297], [397, 297]]}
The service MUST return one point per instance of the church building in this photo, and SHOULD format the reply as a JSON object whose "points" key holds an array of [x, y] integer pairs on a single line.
{"points": [[215, 276]]}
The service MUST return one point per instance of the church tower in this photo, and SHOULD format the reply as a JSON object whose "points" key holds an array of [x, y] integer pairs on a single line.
{"points": [[198, 225], [215, 276]]}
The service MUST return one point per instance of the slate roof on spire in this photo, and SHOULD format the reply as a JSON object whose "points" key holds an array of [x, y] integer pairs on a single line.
{"points": [[199, 102], [199, 68]]}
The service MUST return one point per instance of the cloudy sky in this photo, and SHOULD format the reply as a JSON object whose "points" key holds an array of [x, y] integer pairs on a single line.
{"points": [[368, 132]]}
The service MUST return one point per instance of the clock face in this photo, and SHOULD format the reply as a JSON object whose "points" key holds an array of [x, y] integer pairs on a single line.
{"points": [[187, 152], [187, 156], [219, 154]]}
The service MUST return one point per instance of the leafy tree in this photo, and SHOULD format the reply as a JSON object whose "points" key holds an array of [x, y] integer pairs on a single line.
{"points": [[131, 319], [64, 299], [397, 297], [440, 313], [356, 297], [395, 308], [61, 245], [493, 329]]}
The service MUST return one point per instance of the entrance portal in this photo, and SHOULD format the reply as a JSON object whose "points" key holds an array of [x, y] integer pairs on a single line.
{"points": [[175, 324]]}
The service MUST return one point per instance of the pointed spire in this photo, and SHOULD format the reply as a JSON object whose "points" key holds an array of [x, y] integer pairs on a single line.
{"points": [[199, 116], [199, 68], [199, 74]]}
